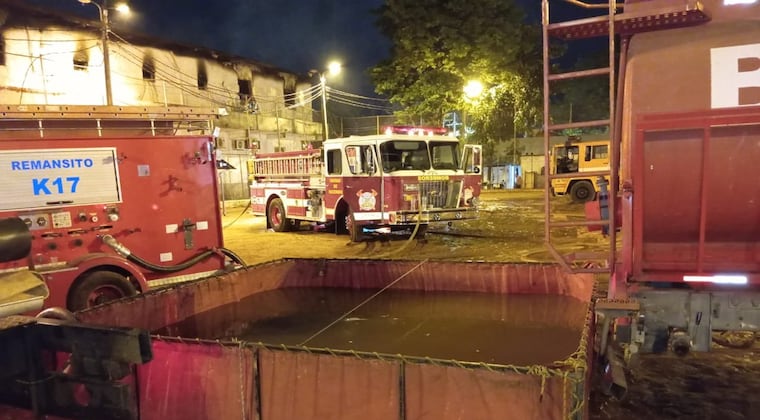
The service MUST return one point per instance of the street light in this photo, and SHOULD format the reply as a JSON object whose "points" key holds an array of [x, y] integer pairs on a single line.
{"points": [[472, 91], [333, 69], [104, 28]]}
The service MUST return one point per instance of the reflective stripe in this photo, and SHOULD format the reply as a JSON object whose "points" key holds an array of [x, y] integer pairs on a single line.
{"points": [[375, 215], [296, 202], [180, 279]]}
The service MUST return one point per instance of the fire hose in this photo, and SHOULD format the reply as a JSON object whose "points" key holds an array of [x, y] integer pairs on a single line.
{"points": [[126, 253]]}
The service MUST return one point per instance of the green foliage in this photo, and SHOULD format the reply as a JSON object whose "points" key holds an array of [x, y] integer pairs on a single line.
{"points": [[439, 45]]}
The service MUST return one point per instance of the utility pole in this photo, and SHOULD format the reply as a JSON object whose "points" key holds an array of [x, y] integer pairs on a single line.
{"points": [[323, 83], [106, 55]]}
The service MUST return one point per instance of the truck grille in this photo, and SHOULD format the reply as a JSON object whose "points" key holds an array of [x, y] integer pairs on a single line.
{"points": [[440, 194]]}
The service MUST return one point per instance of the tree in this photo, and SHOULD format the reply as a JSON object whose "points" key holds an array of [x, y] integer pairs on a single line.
{"points": [[437, 46]]}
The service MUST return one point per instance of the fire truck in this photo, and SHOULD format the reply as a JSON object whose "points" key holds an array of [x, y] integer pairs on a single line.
{"points": [[579, 158], [681, 208], [116, 199], [388, 184]]}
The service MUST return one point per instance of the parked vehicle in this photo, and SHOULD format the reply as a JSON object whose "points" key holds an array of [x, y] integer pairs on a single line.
{"points": [[685, 124], [389, 184], [118, 200], [579, 158]]}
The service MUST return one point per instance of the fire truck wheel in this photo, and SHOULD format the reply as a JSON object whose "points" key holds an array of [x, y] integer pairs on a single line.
{"points": [[276, 216], [582, 191], [100, 287]]}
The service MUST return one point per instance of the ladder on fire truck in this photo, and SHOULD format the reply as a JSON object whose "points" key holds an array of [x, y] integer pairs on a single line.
{"points": [[299, 165], [643, 16], [43, 121]]}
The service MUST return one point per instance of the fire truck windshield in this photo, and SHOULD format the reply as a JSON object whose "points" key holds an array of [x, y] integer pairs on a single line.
{"points": [[406, 155]]}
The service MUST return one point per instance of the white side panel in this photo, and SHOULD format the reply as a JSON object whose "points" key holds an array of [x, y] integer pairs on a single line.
{"points": [[46, 178]]}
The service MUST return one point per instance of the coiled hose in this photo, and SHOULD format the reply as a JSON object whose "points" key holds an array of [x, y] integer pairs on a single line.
{"points": [[126, 253]]}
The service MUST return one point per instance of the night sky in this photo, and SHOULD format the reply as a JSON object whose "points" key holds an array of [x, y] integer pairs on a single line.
{"points": [[296, 35]]}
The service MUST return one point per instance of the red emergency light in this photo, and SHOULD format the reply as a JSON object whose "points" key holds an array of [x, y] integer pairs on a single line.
{"points": [[415, 131]]}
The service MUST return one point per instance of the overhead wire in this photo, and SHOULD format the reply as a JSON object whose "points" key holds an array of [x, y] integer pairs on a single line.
{"points": [[301, 97], [185, 83]]}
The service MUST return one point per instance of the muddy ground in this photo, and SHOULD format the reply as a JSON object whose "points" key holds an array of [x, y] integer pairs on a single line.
{"points": [[723, 384]]}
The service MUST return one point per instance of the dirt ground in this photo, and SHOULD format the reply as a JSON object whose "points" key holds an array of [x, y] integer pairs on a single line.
{"points": [[723, 384]]}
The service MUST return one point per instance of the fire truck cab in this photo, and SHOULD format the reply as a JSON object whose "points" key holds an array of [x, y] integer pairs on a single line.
{"points": [[369, 185]]}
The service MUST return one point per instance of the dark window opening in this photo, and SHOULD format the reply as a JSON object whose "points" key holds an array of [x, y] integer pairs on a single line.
{"points": [[245, 90], [2, 51], [202, 76], [289, 91], [245, 93], [334, 166], [81, 61], [149, 69]]}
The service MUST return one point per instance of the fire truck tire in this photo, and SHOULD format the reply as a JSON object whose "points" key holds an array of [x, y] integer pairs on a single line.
{"points": [[99, 287], [582, 191], [276, 216]]}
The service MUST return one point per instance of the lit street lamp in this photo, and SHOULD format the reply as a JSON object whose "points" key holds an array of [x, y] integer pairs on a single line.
{"points": [[472, 91], [333, 68], [104, 28]]}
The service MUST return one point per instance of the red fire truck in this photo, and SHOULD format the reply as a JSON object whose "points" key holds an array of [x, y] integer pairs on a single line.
{"points": [[393, 184], [683, 191], [117, 199]]}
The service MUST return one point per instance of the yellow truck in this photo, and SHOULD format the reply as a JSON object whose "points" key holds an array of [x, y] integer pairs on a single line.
{"points": [[578, 158]]}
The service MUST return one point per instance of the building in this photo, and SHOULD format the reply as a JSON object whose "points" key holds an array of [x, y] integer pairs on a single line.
{"points": [[57, 59]]}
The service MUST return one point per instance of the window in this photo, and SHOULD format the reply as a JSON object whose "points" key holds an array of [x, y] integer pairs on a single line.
{"points": [[81, 61], [202, 76], [245, 93], [404, 155], [597, 152], [2, 51], [289, 91], [567, 159], [600, 152], [149, 69], [334, 166], [361, 160], [245, 90]]}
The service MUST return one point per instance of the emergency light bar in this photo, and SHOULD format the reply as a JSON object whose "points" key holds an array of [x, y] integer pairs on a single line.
{"points": [[716, 279], [414, 131]]}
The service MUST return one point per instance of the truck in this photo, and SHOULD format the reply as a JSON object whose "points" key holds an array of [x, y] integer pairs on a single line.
{"points": [[117, 199], [365, 186], [681, 206], [578, 158]]}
